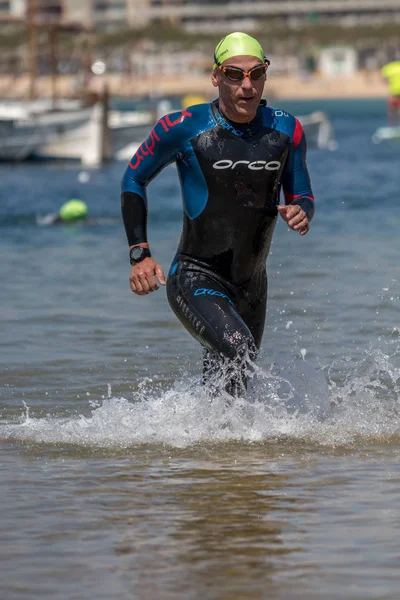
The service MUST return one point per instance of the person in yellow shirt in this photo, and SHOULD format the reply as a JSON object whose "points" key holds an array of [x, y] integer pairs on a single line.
{"points": [[391, 72]]}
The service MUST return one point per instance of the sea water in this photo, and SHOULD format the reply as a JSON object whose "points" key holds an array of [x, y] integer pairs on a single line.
{"points": [[120, 479]]}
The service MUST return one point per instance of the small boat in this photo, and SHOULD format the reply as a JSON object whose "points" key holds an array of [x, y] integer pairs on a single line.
{"points": [[386, 133], [27, 128], [68, 131], [128, 129], [100, 138], [318, 130]]}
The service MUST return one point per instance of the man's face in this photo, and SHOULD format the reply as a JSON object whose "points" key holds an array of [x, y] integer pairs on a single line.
{"points": [[239, 99]]}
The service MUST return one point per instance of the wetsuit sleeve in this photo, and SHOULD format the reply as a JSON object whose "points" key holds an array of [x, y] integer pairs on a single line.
{"points": [[157, 151], [295, 178]]}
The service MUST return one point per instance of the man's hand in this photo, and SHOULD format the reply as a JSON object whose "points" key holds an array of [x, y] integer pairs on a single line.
{"points": [[143, 276], [295, 217]]}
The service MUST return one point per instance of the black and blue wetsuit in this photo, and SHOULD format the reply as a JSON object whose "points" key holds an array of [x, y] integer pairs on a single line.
{"points": [[231, 176]]}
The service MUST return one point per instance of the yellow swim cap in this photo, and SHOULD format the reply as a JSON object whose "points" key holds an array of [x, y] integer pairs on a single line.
{"points": [[237, 44], [73, 210]]}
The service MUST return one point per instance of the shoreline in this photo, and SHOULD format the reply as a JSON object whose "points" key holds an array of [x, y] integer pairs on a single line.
{"points": [[359, 85]]}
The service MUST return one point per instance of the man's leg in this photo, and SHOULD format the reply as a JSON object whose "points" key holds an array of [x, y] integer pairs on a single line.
{"points": [[231, 375], [207, 309]]}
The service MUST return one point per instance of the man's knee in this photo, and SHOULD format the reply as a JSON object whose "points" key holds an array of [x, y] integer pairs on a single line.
{"points": [[239, 346]]}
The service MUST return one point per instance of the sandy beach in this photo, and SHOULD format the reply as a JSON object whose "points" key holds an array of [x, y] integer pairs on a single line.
{"points": [[359, 85]]}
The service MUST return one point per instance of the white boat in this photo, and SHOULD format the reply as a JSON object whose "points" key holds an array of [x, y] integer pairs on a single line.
{"points": [[99, 138], [318, 130], [383, 134], [26, 128], [128, 130], [67, 130]]}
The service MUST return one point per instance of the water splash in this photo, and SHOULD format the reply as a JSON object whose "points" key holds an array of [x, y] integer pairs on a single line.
{"points": [[332, 406]]}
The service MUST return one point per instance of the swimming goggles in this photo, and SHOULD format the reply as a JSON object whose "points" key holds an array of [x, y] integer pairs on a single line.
{"points": [[236, 74]]}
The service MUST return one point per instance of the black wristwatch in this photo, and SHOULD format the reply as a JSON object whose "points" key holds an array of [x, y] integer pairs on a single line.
{"points": [[137, 254]]}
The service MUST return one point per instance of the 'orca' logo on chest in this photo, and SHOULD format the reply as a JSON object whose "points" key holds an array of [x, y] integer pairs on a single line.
{"points": [[255, 165]]}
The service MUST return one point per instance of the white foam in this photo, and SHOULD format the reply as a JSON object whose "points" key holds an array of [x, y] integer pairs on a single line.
{"points": [[333, 406]]}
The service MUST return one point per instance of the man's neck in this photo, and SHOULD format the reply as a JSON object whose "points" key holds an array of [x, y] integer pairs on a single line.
{"points": [[235, 118]]}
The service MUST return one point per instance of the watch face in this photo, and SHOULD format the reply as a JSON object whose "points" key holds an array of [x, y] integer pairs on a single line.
{"points": [[136, 252]]}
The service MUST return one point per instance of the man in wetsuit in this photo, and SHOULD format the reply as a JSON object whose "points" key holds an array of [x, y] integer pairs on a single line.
{"points": [[233, 157]]}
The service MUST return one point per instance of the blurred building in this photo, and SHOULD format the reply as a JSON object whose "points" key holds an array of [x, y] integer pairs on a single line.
{"points": [[46, 10], [338, 60], [224, 15], [102, 14], [206, 15]]}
